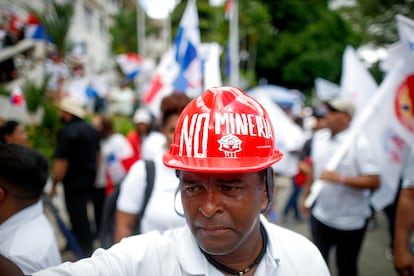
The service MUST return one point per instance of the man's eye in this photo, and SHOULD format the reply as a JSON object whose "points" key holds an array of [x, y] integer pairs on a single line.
{"points": [[193, 189], [229, 188]]}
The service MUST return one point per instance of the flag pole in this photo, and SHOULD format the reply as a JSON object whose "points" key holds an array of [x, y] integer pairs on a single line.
{"points": [[140, 30], [355, 129], [234, 45]]}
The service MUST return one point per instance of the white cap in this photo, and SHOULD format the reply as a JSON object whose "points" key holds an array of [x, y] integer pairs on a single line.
{"points": [[142, 116]]}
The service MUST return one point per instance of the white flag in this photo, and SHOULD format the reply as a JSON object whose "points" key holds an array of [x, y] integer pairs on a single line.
{"points": [[290, 137], [405, 28], [388, 121], [326, 90], [210, 53], [357, 84]]}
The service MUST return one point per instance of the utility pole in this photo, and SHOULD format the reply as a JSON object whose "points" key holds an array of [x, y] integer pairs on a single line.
{"points": [[234, 45], [142, 51]]}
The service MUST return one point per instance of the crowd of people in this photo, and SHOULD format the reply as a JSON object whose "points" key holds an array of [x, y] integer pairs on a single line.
{"points": [[206, 211]]}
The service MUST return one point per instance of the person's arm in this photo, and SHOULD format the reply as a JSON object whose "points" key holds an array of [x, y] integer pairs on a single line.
{"points": [[125, 224], [371, 182], [404, 225], [307, 169], [8, 268], [60, 167]]}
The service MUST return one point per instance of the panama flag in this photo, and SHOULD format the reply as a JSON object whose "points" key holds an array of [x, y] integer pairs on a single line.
{"points": [[180, 69], [228, 9], [17, 97], [186, 44], [119, 159], [34, 29], [130, 64]]}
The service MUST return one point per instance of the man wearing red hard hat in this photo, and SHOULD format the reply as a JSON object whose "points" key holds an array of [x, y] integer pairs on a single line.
{"points": [[223, 148]]}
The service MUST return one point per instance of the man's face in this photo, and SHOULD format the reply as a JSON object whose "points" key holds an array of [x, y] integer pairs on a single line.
{"points": [[222, 210]]}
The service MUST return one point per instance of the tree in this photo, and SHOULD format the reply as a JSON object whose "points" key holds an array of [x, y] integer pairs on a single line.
{"points": [[56, 19], [308, 42], [124, 32], [375, 19]]}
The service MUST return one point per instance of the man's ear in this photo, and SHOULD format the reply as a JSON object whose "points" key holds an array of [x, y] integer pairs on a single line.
{"points": [[265, 199]]}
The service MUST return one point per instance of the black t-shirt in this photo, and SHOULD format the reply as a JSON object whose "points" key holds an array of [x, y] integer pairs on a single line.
{"points": [[78, 143]]}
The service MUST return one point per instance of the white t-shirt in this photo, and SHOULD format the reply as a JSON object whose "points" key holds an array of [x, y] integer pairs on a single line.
{"points": [[160, 213], [175, 252], [153, 145], [342, 206], [28, 239], [122, 101]]}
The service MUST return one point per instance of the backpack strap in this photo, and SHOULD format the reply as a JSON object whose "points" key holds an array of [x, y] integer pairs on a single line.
{"points": [[150, 176]]}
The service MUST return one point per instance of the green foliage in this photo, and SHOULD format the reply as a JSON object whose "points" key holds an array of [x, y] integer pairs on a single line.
{"points": [[44, 136], [124, 32], [56, 19], [309, 43], [289, 42], [3, 90], [122, 124], [375, 19], [34, 94]]}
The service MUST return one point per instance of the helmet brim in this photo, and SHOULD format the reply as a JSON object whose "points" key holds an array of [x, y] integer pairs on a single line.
{"points": [[220, 164]]}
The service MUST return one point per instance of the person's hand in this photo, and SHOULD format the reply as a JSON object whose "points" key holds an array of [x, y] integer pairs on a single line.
{"points": [[304, 210], [331, 176], [404, 262]]}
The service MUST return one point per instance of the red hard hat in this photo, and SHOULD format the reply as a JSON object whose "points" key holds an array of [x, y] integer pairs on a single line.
{"points": [[223, 130]]}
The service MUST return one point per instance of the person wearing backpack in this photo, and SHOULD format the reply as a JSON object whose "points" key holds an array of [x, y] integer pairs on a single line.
{"points": [[129, 217]]}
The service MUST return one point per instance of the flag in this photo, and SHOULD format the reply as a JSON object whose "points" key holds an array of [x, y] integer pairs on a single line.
{"points": [[161, 84], [326, 90], [180, 67], [290, 137], [393, 124], [119, 159], [186, 44], [228, 9], [357, 84], [405, 28], [388, 122], [34, 29], [394, 54], [210, 53], [17, 97], [130, 64]]}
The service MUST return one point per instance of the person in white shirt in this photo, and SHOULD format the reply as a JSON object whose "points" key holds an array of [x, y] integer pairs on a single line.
{"points": [[223, 151], [122, 99], [116, 158], [404, 224], [26, 235], [156, 215], [340, 213]]}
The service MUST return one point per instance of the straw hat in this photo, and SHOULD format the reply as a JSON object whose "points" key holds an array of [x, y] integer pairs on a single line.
{"points": [[72, 106]]}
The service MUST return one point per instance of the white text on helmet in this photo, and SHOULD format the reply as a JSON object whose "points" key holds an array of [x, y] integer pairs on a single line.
{"points": [[190, 136], [194, 131], [242, 124]]}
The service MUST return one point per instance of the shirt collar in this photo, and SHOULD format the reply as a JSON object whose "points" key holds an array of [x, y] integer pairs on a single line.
{"points": [[198, 264], [24, 215]]}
